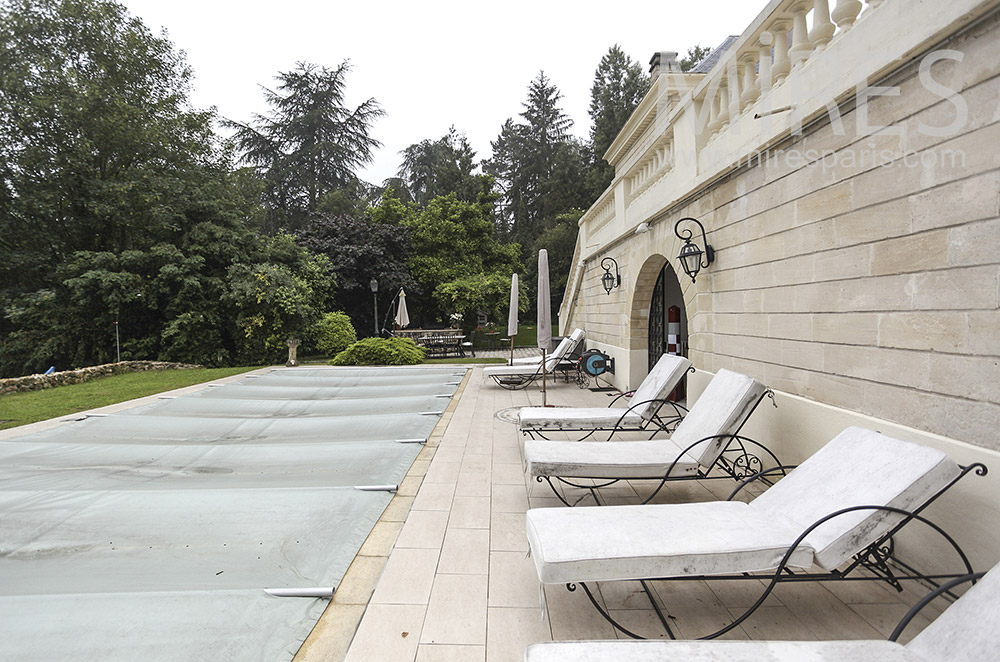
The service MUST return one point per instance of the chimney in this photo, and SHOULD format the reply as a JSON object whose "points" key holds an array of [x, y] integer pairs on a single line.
{"points": [[664, 62]]}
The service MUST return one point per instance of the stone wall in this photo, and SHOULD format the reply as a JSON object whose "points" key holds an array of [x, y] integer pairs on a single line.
{"points": [[37, 382], [857, 269]]}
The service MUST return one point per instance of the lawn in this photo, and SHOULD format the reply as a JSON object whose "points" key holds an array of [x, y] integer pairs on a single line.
{"points": [[32, 406]]}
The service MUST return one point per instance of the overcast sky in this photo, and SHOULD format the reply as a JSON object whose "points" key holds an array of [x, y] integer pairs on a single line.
{"points": [[430, 64]]}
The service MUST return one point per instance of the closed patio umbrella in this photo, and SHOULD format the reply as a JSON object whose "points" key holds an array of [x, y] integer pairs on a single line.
{"points": [[544, 312], [512, 315], [402, 316]]}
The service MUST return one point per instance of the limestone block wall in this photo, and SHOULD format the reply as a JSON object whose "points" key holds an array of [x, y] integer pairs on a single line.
{"points": [[863, 270], [858, 261]]}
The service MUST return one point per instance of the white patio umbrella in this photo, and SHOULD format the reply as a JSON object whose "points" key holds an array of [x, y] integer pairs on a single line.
{"points": [[544, 313], [402, 316], [512, 315]]}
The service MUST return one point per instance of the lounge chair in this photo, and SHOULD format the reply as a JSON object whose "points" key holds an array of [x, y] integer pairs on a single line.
{"points": [[641, 415], [525, 371], [965, 632], [707, 440], [837, 510]]}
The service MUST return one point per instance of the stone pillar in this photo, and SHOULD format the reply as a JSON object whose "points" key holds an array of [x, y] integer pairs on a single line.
{"points": [[293, 348]]}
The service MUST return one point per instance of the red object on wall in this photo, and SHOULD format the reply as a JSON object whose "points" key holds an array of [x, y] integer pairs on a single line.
{"points": [[674, 347]]}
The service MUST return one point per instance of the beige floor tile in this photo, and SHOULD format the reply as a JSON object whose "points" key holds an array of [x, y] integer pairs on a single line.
{"points": [[470, 513], [513, 581], [572, 617], [825, 615], [476, 463], [442, 472], [508, 474], [360, 580], [473, 483], [381, 539], [407, 577], [423, 529], [450, 653], [509, 499], [457, 611], [434, 496], [465, 552], [397, 509], [387, 632], [332, 635], [507, 532], [511, 630], [774, 622], [643, 622]]}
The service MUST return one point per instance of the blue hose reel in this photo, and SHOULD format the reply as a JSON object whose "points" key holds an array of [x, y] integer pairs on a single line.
{"points": [[594, 362]]}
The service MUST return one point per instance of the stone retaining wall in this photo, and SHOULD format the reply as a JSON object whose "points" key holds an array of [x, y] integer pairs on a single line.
{"points": [[37, 382]]}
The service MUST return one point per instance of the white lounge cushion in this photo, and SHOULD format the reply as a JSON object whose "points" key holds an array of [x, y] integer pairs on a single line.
{"points": [[720, 409], [662, 379], [965, 632], [858, 467], [523, 370], [627, 459], [586, 418], [721, 651], [662, 540], [658, 383]]}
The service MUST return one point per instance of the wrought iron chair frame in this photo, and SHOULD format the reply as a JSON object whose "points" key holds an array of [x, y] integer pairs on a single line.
{"points": [[736, 461], [876, 558], [568, 366]]}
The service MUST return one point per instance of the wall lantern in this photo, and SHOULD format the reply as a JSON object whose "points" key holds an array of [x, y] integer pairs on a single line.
{"points": [[608, 280], [691, 255]]}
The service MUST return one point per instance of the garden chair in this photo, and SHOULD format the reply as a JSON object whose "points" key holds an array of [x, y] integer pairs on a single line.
{"points": [[707, 439], [838, 510], [641, 415], [525, 371], [963, 633]]}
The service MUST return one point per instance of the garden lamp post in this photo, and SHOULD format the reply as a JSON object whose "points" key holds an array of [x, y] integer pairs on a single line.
{"points": [[374, 285]]}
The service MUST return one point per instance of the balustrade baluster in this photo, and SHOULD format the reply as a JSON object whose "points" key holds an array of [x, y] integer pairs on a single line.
{"points": [[846, 13], [751, 90], [764, 73], [723, 104], [782, 64], [801, 46], [823, 28]]}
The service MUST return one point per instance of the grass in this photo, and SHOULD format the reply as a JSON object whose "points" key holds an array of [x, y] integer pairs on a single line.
{"points": [[527, 336], [33, 406]]}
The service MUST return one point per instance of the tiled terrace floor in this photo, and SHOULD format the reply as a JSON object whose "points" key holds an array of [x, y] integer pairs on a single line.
{"points": [[445, 576]]}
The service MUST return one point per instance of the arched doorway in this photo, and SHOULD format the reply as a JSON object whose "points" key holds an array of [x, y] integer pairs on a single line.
{"points": [[664, 334]]}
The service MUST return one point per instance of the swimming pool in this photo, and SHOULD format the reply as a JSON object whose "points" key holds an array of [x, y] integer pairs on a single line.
{"points": [[153, 532]]}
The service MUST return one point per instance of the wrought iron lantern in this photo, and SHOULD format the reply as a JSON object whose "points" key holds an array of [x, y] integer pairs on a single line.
{"points": [[691, 255], [610, 281]]}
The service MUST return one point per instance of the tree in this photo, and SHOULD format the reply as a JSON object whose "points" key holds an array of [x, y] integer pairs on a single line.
{"points": [[118, 207], [694, 57], [360, 250], [451, 240], [310, 145], [99, 149], [619, 85], [537, 164], [438, 167]]}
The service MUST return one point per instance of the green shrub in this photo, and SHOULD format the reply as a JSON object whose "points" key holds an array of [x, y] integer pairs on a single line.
{"points": [[334, 333], [380, 351]]}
